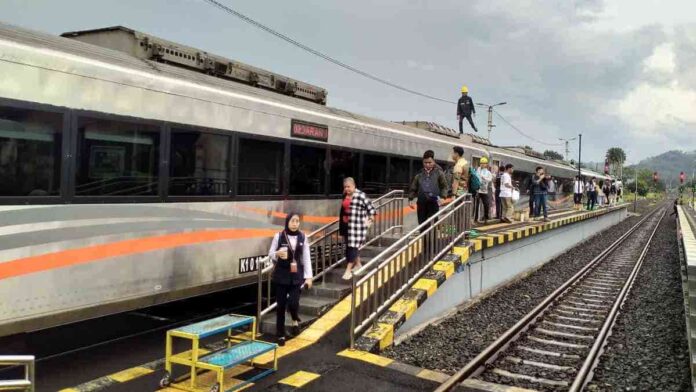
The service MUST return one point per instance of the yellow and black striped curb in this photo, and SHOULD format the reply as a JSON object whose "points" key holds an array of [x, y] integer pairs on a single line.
{"points": [[381, 335], [389, 363]]}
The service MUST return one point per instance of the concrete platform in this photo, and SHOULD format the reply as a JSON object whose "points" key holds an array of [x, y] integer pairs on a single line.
{"points": [[318, 359]]}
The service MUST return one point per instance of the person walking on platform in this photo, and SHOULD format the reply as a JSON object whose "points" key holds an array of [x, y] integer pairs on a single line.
{"points": [[539, 190], [355, 218], [578, 189], [465, 108], [493, 192], [506, 193], [289, 252], [612, 193], [428, 187], [498, 185], [591, 193], [605, 189], [483, 196], [460, 173]]}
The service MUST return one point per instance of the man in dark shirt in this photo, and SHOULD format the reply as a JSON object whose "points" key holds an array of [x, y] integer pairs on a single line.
{"points": [[429, 188], [465, 108]]}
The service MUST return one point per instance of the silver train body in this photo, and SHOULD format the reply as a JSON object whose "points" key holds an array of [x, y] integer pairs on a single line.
{"points": [[66, 258]]}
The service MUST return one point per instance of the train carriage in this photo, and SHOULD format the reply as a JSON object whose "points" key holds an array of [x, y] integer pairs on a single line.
{"points": [[137, 171]]}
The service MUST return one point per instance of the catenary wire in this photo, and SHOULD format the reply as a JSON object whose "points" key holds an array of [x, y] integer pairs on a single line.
{"points": [[347, 66]]}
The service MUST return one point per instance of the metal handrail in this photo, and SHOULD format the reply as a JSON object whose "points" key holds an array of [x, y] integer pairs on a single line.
{"points": [[393, 220], [25, 384], [402, 264]]}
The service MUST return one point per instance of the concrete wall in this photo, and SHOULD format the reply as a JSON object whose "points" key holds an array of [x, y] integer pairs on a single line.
{"points": [[493, 267]]}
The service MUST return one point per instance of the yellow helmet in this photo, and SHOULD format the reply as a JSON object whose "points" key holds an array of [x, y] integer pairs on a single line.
{"points": [[484, 160], [465, 89]]}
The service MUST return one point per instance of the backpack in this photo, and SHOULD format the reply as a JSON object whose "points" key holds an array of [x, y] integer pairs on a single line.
{"points": [[474, 181]]}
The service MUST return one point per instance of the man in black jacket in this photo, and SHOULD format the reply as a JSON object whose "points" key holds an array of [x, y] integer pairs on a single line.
{"points": [[465, 108]]}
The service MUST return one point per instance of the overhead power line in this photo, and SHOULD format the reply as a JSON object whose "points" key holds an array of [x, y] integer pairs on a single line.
{"points": [[524, 134], [349, 67], [320, 54]]}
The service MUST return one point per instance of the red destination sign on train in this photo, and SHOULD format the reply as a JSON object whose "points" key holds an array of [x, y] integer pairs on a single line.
{"points": [[310, 131]]}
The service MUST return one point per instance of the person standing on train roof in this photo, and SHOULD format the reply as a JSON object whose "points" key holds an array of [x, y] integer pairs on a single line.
{"points": [[485, 176], [578, 189], [506, 189], [355, 218], [428, 188], [289, 252], [539, 190], [460, 177], [465, 108]]}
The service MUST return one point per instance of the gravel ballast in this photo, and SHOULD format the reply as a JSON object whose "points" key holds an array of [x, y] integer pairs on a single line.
{"points": [[454, 341], [647, 350]]}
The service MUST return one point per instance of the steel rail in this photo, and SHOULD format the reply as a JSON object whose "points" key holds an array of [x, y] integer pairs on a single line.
{"points": [[490, 353], [590, 363]]}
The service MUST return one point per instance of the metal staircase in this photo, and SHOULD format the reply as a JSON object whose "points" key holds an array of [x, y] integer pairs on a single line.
{"points": [[327, 249]]}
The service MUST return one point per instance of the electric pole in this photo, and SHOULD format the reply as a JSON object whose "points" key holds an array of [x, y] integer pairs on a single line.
{"points": [[567, 150], [579, 154], [490, 115]]}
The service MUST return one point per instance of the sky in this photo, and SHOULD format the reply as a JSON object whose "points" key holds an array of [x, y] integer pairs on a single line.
{"points": [[621, 72]]}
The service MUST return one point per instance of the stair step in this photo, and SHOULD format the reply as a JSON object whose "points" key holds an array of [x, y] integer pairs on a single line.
{"points": [[336, 290], [316, 305], [268, 322], [371, 251]]}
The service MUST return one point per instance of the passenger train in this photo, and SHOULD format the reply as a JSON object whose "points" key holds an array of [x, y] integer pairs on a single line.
{"points": [[136, 171]]}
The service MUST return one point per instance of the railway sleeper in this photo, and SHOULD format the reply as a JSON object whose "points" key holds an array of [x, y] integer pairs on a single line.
{"points": [[542, 365], [574, 319], [566, 335], [568, 326]]}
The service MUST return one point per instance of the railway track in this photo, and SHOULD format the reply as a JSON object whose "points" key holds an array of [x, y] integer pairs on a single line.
{"points": [[556, 346]]}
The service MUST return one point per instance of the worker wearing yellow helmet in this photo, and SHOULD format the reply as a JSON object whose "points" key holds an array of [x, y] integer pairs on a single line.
{"points": [[483, 196], [465, 108]]}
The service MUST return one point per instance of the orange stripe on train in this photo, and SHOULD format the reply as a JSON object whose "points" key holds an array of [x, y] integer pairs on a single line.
{"points": [[67, 258]]}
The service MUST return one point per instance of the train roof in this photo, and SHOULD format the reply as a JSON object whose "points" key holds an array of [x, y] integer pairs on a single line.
{"points": [[111, 59]]}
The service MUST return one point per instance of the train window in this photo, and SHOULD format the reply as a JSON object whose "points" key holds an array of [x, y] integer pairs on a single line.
{"points": [[116, 158], [343, 164], [399, 173], [307, 170], [260, 167], [475, 162], [199, 163], [30, 152], [374, 174]]}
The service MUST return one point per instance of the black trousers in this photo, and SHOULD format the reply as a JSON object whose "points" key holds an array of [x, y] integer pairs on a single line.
{"points": [[577, 198], [426, 209], [591, 200], [484, 200], [471, 122], [498, 205], [287, 296]]}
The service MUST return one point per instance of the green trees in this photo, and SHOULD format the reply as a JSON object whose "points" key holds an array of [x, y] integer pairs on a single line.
{"points": [[616, 157]]}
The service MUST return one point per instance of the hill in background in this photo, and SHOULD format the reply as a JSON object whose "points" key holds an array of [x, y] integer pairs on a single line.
{"points": [[669, 164]]}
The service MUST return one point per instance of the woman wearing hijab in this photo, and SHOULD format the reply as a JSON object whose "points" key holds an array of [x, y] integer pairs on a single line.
{"points": [[291, 258]]}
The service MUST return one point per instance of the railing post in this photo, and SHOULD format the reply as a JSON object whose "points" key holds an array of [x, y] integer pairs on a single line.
{"points": [[259, 289], [352, 314]]}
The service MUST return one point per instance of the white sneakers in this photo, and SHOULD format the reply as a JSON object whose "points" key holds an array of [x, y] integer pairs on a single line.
{"points": [[347, 276]]}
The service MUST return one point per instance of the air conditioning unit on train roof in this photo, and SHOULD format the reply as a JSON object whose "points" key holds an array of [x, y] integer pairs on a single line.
{"points": [[148, 47]]}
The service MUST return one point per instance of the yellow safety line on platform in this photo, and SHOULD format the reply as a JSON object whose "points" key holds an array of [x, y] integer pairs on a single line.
{"points": [[299, 379], [366, 357], [130, 374]]}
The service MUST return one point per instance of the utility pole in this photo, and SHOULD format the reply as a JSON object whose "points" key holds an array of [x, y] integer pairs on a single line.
{"points": [[567, 150], [579, 154], [635, 193], [490, 115]]}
